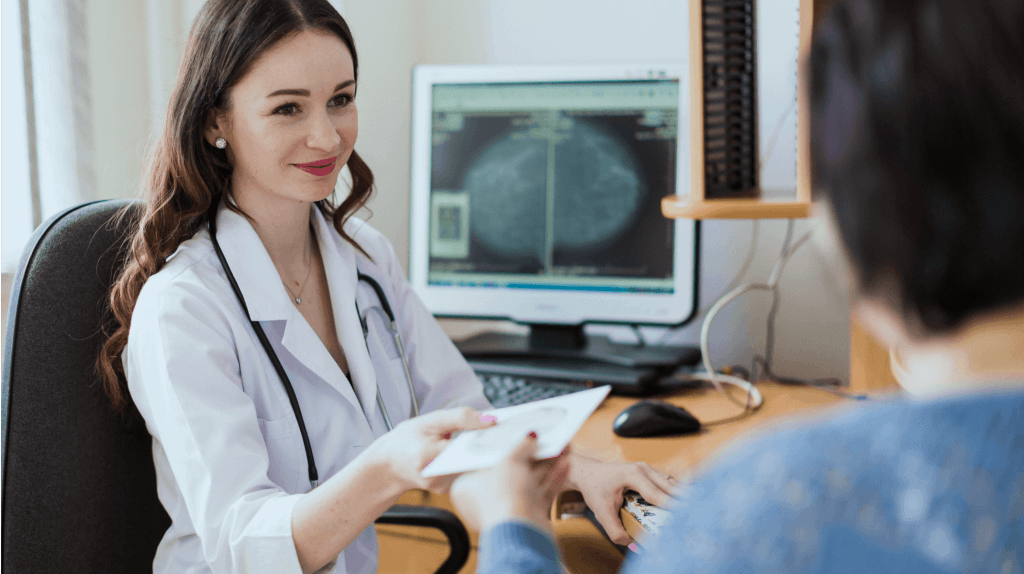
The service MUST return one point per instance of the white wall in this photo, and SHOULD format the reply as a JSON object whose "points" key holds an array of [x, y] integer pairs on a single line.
{"points": [[392, 36]]}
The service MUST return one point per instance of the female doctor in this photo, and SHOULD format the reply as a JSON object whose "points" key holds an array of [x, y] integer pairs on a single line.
{"points": [[268, 338]]}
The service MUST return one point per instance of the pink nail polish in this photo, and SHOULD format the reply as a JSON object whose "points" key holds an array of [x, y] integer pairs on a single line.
{"points": [[488, 419], [632, 546], [533, 435]]}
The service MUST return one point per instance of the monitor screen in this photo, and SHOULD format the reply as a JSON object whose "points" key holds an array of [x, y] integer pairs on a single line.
{"points": [[536, 194]]}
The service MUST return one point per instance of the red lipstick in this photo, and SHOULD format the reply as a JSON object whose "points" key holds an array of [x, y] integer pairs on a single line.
{"points": [[319, 168]]}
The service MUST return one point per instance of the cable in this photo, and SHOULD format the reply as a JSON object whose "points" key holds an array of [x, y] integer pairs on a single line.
{"points": [[764, 362], [769, 343], [753, 402], [830, 385], [754, 399], [641, 342], [776, 131], [788, 249], [755, 229], [714, 378]]}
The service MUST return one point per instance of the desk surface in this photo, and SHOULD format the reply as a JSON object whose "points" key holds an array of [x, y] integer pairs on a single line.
{"points": [[676, 455], [679, 454]]}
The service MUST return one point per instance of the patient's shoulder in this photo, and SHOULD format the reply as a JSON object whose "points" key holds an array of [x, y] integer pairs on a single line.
{"points": [[905, 482]]}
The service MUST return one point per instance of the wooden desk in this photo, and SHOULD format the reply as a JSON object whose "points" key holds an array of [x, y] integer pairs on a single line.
{"points": [[680, 454], [586, 551]]}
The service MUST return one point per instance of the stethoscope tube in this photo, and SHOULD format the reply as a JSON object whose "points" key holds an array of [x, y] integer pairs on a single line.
{"points": [[394, 334], [262, 336], [276, 362]]}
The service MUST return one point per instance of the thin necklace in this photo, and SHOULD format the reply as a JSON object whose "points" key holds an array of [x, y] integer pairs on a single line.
{"points": [[298, 296]]}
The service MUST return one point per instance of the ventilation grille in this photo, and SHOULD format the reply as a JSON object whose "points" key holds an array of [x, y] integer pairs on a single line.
{"points": [[730, 99]]}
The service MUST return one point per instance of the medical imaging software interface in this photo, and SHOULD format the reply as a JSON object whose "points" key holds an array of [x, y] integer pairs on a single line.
{"points": [[553, 185]]}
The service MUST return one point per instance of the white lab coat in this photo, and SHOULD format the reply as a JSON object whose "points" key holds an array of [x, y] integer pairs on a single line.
{"points": [[229, 458]]}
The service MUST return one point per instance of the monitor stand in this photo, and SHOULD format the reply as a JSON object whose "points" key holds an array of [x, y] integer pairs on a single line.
{"points": [[570, 342]]}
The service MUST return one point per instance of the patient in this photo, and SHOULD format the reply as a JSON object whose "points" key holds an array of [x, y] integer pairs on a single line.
{"points": [[917, 118]]}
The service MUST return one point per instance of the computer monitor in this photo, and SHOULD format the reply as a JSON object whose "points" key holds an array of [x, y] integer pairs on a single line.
{"points": [[536, 197]]}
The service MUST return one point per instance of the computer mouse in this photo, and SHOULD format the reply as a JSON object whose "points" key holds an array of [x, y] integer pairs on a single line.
{"points": [[654, 418]]}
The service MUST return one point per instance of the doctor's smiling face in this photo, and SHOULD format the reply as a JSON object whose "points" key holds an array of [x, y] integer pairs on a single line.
{"points": [[291, 121]]}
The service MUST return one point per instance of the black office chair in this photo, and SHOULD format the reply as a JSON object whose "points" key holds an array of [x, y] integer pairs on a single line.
{"points": [[79, 485]]}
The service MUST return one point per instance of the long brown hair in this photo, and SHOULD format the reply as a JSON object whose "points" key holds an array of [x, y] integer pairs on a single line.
{"points": [[184, 174]]}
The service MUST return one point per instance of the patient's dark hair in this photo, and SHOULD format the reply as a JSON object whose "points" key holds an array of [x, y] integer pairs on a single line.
{"points": [[917, 139]]}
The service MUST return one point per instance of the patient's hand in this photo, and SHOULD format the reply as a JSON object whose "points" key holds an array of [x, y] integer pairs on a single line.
{"points": [[603, 485], [519, 488]]}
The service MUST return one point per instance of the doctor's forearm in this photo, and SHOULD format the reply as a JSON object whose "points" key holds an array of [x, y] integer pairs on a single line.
{"points": [[327, 519]]}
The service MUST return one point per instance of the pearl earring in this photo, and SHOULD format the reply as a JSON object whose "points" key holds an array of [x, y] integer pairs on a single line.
{"points": [[221, 143]]}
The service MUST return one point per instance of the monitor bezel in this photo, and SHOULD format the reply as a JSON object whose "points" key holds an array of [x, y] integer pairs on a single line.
{"points": [[546, 306]]}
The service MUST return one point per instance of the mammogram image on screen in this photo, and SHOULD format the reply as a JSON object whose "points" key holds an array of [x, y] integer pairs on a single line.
{"points": [[560, 192], [595, 192]]}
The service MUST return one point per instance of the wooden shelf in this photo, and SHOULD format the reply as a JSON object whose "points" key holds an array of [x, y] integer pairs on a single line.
{"points": [[697, 206], [677, 207]]}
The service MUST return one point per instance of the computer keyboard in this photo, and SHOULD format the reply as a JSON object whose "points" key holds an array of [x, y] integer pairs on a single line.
{"points": [[508, 390]]}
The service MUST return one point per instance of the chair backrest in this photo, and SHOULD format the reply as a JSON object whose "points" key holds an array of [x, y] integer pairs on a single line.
{"points": [[79, 486]]}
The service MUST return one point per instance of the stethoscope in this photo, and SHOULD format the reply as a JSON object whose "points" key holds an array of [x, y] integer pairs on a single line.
{"points": [[274, 360]]}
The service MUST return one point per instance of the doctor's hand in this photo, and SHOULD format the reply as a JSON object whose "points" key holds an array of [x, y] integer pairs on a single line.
{"points": [[604, 484], [411, 445], [518, 488]]}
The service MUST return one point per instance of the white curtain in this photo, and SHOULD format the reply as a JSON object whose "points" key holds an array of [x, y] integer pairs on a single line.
{"points": [[59, 149], [15, 181], [50, 133], [63, 103]]}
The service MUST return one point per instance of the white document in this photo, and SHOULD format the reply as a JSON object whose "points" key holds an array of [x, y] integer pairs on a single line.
{"points": [[555, 420]]}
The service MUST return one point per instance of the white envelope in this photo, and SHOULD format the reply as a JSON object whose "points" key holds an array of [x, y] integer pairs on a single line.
{"points": [[555, 420]]}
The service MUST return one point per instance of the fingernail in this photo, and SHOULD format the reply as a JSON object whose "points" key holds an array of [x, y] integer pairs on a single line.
{"points": [[632, 546], [532, 435], [447, 435], [488, 419]]}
